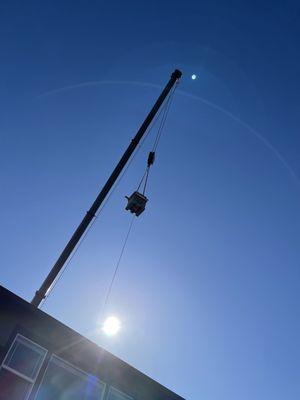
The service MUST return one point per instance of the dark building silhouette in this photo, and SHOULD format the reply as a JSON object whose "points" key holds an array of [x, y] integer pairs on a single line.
{"points": [[43, 359]]}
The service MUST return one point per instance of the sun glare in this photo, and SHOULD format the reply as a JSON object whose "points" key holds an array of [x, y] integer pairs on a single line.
{"points": [[111, 326]]}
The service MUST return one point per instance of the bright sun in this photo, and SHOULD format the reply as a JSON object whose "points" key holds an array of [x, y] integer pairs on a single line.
{"points": [[111, 326]]}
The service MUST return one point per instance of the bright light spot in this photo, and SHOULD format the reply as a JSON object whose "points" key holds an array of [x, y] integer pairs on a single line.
{"points": [[193, 77], [111, 326]]}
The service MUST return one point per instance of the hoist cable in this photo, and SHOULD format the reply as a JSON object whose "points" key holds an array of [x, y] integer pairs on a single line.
{"points": [[166, 110], [118, 264], [145, 176], [164, 117], [146, 179], [141, 181]]}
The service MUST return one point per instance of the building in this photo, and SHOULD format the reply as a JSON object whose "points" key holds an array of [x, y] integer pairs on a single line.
{"points": [[42, 359]]}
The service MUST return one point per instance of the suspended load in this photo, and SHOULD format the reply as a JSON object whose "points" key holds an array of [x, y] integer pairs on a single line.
{"points": [[136, 203]]}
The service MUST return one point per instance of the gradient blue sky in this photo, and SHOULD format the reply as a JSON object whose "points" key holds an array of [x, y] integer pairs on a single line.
{"points": [[208, 290]]}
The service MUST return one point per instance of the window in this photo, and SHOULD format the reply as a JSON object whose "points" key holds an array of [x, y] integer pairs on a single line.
{"points": [[62, 381], [115, 394], [20, 368]]}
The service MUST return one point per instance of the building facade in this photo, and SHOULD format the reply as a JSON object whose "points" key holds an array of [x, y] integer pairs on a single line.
{"points": [[42, 359]]}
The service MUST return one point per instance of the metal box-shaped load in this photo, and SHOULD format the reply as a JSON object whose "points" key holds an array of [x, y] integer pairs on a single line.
{"points": [[136, 203]]}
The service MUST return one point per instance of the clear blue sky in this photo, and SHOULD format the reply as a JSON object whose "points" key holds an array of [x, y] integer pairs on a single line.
{"points": [[208, 290]]}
